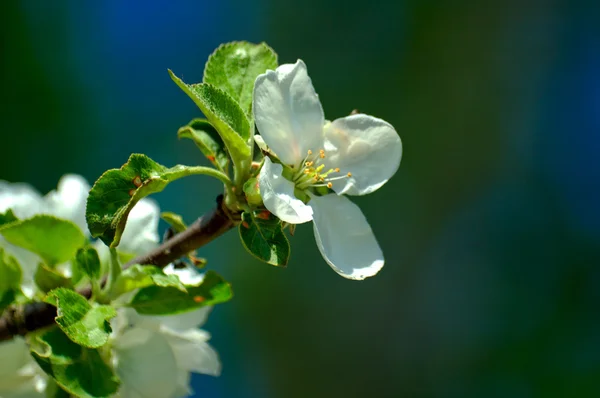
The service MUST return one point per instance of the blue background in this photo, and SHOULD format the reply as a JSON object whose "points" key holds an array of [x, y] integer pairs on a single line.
{"points": [[491, 227]]}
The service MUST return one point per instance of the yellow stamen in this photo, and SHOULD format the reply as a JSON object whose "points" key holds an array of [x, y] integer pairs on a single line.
{"points": [[329, 185], [337, 169], [309, 152], [349, 174]]}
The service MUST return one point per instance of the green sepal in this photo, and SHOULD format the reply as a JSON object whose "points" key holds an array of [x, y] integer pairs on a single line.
{"points": [[84, 323], [262, 235], [47, 278], [158, 300], [55, 240], [141, 276], [208, 140], [88, 262], [78, 370], [234, 67], [252, 192], [10, 279], [226, 116], [116, 192], [53, 390], [174, 220]]}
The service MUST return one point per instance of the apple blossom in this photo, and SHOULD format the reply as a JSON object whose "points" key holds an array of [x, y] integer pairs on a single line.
{"points": [[353, 155]]}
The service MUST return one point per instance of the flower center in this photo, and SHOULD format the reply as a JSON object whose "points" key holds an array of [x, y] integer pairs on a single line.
{"points": [[313, 172]]}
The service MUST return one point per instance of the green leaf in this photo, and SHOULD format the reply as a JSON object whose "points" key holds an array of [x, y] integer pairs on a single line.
{"points": [[78, 370], [157, 300], [53, 239], [263, 237], [140, 276], [89, 262], [7, 217], [116, 192], [234, 67], [47, 278], [208, 140], [84, 323], [10, 279], [53, 390], [226, 116], [174, 220]]}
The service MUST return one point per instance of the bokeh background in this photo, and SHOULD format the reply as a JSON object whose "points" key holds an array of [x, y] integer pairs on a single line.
{"points": [[491, 227]]}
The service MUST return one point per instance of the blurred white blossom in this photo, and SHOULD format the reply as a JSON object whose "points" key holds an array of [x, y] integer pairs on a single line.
{"points": [[153, 356]]}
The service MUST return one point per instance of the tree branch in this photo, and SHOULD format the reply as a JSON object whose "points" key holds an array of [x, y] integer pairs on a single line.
{"points": [[30, 317]]}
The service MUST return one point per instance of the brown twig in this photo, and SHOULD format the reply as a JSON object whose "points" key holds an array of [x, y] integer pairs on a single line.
{"points": [[23, 319]]}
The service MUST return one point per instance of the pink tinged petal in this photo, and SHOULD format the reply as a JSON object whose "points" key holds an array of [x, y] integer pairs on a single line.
{"points": [[278, 195], [345, 238], [367, 147], [288, 113]]}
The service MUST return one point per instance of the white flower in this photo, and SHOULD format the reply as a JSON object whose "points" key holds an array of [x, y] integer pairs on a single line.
{"points": [[155, 355], [353, 155]]}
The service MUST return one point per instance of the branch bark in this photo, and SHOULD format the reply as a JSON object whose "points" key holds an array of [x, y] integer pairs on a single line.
{"points": [[24, 319]]}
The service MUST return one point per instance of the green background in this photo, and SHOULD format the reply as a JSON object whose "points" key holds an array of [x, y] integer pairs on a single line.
{"points": [[491, 227]]}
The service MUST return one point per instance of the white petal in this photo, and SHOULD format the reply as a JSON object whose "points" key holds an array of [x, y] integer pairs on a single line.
{"points": [[69, 200], [288, 112], [21, 198], [278, 195], [188, 276], [193, 353], [140, 233], [365, 146], [146, 365], [345, 238]]}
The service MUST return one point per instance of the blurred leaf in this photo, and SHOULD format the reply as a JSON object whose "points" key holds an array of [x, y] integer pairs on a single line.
{"points": [[117, 191], [226, 116], [47, 278], [10, 279], [84, 323], [53, 390], [140, 276], [7, 217], [157, 300], [78, 370], [174, 220], [263, 237], [54, 239], [88, 261], [208, 140], [234, 67]]}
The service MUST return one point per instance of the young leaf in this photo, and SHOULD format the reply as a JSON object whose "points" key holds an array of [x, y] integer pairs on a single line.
{"points": [[174, 220], [116, 192], [53, 239], [89, 262], [263, 237], [10, 279], [47, 278], [7, 217], [140, 276], [78, 370], [208, 140], [53, 390], [234, 67], [226, 116], [84, 323], [158, 300]]}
